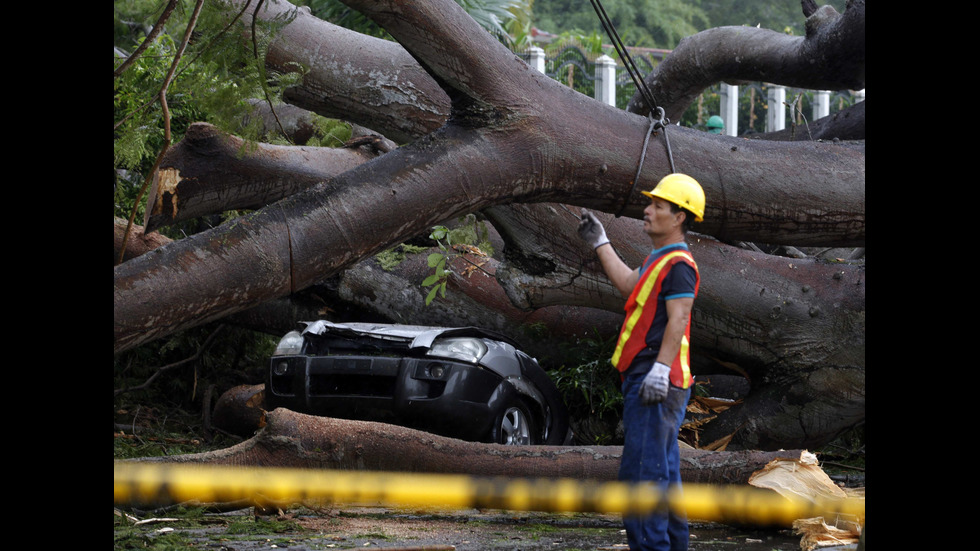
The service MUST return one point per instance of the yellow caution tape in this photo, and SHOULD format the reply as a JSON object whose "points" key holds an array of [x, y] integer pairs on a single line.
{"points": [[158, 484]]}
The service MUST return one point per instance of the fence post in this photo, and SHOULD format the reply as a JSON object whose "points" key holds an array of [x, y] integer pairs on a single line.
{"points": [[605, 80], [536, 58], [821, 104], [729, 108], [776, 111]]}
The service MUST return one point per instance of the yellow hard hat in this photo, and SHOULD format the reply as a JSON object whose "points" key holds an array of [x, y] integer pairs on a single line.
{"points": [[681, 190]]}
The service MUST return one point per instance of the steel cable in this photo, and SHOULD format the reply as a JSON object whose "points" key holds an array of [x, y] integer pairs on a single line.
{"points": [[645, 93]]}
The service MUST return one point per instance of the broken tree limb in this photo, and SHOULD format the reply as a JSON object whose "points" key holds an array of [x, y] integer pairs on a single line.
{"points": [[138, 243], [296, 440], [210, 171]]}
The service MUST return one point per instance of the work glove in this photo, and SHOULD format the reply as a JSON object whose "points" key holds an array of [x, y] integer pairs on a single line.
{"points": [[591, 230], [653, 389]]}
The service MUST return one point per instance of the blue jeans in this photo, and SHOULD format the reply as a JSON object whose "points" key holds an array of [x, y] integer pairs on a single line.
{"points": [[651, 454]]}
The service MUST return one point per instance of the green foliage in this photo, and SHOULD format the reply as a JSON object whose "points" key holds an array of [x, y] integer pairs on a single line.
{"points": [[587, 380], [646, 23], [590, 42], [492, 15], [779, 15], [260, 526], [221, 79], [440, 276], [215, 80], [196, 528], [663, 23], [330, 132], [472, 233], [390, 258]]}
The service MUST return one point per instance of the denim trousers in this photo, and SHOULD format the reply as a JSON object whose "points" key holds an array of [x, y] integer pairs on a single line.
{"points": [[651, 454]]}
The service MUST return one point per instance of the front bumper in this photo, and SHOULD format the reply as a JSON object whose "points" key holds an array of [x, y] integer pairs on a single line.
{"points": [[444, 397]]}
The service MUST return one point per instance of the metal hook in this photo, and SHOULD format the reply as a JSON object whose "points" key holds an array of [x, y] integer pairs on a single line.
{"points": [[660, 122]]}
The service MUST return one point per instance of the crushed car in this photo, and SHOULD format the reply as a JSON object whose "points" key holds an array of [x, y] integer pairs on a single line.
{"points": [[461, 382]]}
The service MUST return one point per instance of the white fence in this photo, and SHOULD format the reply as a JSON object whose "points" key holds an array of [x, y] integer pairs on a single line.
{"points": [[605, 91]]}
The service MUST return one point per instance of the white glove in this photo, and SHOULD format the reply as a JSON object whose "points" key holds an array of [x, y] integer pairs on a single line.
{"points": [[653, 389], [591, 230]]}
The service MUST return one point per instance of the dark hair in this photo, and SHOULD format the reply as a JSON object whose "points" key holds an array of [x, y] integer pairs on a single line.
{"points": [[688, 219]]}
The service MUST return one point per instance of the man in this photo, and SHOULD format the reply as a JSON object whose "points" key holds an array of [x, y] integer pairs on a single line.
{"points": [[652, 352]]}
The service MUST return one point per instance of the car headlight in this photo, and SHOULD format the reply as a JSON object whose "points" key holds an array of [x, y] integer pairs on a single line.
{"points": [[290, 344], [465, 349]]}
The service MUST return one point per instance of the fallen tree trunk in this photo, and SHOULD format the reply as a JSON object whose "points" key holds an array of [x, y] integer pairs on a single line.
{"points": [[296, 440]]}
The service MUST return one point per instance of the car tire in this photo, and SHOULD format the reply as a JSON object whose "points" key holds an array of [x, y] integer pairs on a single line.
{"points": [[556, 414], [514, 426]]}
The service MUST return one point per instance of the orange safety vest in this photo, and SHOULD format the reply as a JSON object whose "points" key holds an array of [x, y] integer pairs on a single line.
{"points": [[640, 316]]}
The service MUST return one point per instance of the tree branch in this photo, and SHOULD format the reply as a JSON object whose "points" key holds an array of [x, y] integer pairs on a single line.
{"points": [[166, 120], [157, 29], [160, 370], [830, 57]]}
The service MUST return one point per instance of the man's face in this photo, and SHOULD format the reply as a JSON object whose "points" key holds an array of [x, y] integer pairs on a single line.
{"points": [[658, 220]]}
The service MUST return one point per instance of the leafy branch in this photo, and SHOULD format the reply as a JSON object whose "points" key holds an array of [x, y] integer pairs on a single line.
{"points": [[451, 241], [438, 260]]}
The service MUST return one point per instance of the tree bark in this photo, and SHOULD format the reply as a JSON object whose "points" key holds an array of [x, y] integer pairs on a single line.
{"points": [[847, 124], [291, 439], [373, 82]]}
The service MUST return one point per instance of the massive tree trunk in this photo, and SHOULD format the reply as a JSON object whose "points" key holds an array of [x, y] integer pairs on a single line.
{"points": [[511, 135], [291, 439], [493, 153]]}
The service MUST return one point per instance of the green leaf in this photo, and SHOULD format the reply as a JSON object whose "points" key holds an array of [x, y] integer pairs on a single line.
{"points": [[430, 280], [438, 232], [434, 259], [431, 295]]}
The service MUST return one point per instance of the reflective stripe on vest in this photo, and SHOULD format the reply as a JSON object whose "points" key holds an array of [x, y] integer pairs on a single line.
{"points": [[632, 337]]}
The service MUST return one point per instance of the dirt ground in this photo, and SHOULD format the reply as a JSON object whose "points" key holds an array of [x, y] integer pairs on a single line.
{"points": [[370, 527]]}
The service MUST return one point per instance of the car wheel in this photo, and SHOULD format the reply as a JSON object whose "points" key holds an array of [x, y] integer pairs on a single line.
{"points": [[513, 426]]}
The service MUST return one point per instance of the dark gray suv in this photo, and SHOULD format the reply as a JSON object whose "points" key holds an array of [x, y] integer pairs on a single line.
{"points": [[461, 382]]}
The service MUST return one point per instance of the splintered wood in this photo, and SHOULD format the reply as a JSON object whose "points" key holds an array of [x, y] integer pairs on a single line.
{"points": [[803, 478], [817, 533]]}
